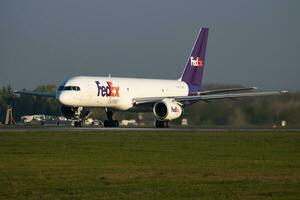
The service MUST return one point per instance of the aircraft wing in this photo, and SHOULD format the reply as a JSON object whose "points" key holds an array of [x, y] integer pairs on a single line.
{"points": [[191, 99], [225, 90], [37, 94]]}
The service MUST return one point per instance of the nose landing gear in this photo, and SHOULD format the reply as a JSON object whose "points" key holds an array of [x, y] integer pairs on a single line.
{"points": [[78, 121]]}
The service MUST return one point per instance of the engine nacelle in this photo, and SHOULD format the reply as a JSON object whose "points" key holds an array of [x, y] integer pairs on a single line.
{"points": [[70, 112], [167, 109]]}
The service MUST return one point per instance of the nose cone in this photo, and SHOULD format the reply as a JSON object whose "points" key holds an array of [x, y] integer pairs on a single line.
{"points": [[62, 98]]}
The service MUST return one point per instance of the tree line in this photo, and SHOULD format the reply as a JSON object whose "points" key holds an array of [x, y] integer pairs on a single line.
{"points": [[254, 111]]}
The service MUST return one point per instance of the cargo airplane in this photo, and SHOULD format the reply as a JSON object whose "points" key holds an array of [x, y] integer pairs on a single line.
{"points": [[165, 98]]}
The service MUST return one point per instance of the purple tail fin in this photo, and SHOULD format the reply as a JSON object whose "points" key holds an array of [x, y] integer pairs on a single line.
{"points": [[193, 71]]}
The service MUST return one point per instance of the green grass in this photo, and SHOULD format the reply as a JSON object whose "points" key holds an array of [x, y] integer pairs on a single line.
{"points": [[149, 165]]}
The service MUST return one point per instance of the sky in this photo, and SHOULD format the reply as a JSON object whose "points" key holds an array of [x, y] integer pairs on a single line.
{"points": [[253, 43]]}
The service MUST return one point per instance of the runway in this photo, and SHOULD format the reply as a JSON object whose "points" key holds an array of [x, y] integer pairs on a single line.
{"points": [[137, 129]]}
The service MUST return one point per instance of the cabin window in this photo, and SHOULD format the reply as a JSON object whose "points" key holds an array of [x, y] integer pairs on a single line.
{"points": [[68, 88], [74, 88]]}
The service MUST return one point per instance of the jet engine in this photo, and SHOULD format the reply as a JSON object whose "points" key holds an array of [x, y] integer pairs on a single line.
{"points": [[167, 109], [70, 112]]}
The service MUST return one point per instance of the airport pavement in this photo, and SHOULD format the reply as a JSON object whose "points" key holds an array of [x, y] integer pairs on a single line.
{"points": [[137, 129]]}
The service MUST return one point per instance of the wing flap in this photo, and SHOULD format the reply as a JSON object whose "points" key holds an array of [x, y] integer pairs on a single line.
{"points": [[225, 90], [228, 96]]}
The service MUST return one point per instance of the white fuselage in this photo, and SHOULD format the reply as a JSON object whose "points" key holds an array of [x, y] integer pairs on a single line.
{"points": [[117, 93]]}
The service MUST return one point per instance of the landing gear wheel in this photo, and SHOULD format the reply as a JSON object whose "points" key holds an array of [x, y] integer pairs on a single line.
{"points": [[162, 124], [106, 123], [116, 123], [111, 123], [167, 124], [78, 124]]}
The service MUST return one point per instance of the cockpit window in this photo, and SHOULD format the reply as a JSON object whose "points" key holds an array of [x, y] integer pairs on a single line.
{"points": [[75, 88]]}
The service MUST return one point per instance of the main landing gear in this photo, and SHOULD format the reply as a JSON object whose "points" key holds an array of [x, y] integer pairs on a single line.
{"points": [[110, 122], [162, 124]]}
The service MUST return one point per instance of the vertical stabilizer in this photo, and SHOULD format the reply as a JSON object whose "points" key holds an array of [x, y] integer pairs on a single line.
{"points": [[193, 71]]}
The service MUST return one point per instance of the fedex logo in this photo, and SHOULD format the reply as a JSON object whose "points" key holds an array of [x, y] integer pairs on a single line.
{"points": [[196, 62], [174, 109], [107, 90]]}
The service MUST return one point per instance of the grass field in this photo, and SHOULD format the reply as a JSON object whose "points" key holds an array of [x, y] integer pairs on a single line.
{"points": [[149, 165]]}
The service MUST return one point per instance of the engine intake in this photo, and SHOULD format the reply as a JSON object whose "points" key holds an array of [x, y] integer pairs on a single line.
{"points": [[167, 109]]}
